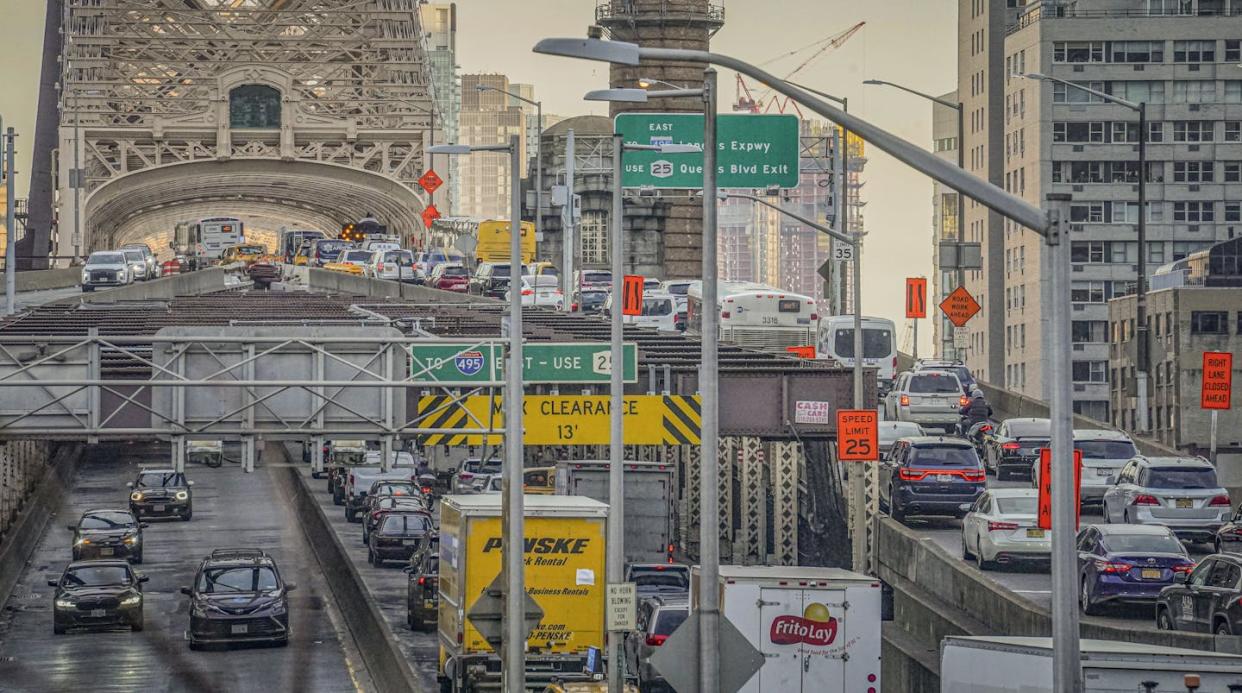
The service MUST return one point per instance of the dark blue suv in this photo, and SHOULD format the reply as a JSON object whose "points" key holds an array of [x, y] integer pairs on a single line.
{"points": [[931, 475]]}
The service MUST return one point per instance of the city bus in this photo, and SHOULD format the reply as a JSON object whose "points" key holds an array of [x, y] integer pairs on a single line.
{"points": [[756, 315], [836, 342], [217, 233]]}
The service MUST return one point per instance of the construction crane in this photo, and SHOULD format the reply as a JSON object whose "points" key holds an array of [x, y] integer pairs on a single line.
{"points": [[746, 100]]}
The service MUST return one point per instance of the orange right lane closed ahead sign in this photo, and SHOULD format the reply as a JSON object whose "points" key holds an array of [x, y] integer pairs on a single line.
{"points": [[1217, 380], [858, 435]]}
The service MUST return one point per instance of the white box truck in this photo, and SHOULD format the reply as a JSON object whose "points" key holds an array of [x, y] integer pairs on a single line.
{"points": [[650, 495], [819, 628], [1014, 664]]}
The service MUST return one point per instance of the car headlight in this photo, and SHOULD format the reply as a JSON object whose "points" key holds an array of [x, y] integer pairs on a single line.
{"points": [[197, 610], [278, 609], [86, 276], [136, 496], [131, 539], [65, 603], [182, 495], [80, 541], [132, 600]]}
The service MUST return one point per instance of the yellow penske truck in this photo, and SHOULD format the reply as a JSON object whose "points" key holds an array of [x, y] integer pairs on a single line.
{"points": [[564, 556]]}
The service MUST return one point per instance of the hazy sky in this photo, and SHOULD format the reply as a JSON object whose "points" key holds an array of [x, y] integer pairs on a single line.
{"points": [[907, 41]]}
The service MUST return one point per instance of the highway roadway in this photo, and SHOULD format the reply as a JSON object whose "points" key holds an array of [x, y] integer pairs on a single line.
{"points": [[230, 509]]}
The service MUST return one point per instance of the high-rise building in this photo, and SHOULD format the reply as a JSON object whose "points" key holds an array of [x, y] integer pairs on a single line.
{"points": [[487, 118], [1038, 137], [944, 221], [439, 20], [1177, 57]]}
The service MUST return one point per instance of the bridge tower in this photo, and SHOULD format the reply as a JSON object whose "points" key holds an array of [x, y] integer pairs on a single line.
{"points": [[280, 112]]}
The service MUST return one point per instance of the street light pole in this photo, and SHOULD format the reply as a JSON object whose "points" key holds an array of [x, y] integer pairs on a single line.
{"points": [[10, 223], [616, 440], [515, 595]]}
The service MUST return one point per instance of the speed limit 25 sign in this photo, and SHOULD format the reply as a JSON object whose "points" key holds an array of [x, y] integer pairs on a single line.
{"points": [[858, 435]]}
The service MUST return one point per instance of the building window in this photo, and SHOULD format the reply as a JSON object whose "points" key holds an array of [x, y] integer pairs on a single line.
{"points": [[1155, 252], [1233, 131], [1087, 213], [1090, 371], [254, 106], [594, 234], [1087, 251], [1233, 91], [1155, 132], [1078, 52], [1087, 292], [1062, 93], [1194, 51], [1137, 51], [1233, 171], [1233, 51], [1181, 249], [1138, 91], [1193, 171], [1233, 211], [1194, 91], [1078, 132], [1193, 130], [1209, 322], [1089, 331], [1193, 212]]}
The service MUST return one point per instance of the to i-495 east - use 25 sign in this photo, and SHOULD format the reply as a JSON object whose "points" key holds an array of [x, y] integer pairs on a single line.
{"points": [[752, 151]]}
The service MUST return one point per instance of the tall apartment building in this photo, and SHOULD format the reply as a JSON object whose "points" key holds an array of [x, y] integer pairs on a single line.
{"points": [[487, 118], [944, 222], [439, 20], [1179, 57]]}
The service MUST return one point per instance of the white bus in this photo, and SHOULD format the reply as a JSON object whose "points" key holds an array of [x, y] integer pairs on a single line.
{"points": [[217, 233], [836, 342], [756, 316]]}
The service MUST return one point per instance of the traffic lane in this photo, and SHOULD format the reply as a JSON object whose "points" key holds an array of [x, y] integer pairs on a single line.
{"points": [[30, 299], [230, 509], [387, 585], [1032, 582]]}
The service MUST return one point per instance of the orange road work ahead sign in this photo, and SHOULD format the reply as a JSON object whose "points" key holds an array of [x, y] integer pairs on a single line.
{"points": [[959, 306], [1217, 380], [858, 435], [632, 295], [1044, 502], [916, 297]]}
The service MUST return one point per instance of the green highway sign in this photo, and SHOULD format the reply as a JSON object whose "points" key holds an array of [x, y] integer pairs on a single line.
{"points": [[752, 150], [545, 363]]}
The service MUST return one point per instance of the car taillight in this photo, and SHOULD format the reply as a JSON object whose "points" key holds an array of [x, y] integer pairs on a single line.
{"points": [[894, 362], [964, 400], [1144, 499], [978, 475], [814, 316], [379, 267], [1112, 568], [1184, 568], [528, 292], [911, 474], [656, 640], [1219, 501], [985, 429], [1001, 526], [422, 580], [351, 478], [725, 315], [1010, 446], [375, 515], [905, 400], [426, 490]]}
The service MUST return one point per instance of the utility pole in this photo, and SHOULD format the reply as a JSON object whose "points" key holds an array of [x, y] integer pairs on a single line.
{"points": [[567, 227], [616, 406], [10, 223]]}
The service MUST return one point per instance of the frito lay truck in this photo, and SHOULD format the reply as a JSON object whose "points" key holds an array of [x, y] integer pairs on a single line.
{"points": [[818, 628], [564, 556]]}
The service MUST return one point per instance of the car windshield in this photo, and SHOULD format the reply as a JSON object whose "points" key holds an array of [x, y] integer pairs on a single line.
{"points": [[501, 270], [891, 431], [237, 579], [1020, 505], [962, 373], [596, 277], [657, 306], [106, 259], [399, 256], [455, 272], [97, 576], [877, 342], [114, 520], [357, 256], [135, 256], [543, 281], [943, 456], [1142, 543], [401, 503], [1028, 429], [681, 290], [159, 479], [1181, 478], [251, 250], [394, 489], [654, 576], [1106, 449], [410, 523], [332, 246], [931, 383], [667, 621]]}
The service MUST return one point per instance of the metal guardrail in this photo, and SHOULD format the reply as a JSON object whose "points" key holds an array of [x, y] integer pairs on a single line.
{"points": [[1053, 10]]}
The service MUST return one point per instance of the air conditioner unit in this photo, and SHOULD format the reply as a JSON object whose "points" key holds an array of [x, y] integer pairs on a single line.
{"points": [[1077, 347], [1192, 68], [1079, 388], [1077, 148], [1079, 306], [1193, 148], [1079, 268], [1078, 188], [1194, 108], [1140, 68], [1079, 68], [1194, 188]]}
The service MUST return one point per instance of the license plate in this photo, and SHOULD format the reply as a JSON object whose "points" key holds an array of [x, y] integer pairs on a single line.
{"points": [[157, 508], [239, 629], [98, 613], [1035, 533], [105, 552], [1185, 503], [409, 542], [1152, 573], [944, 477]]}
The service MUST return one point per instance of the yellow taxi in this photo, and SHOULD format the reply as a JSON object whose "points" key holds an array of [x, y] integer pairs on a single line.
{"points": [[540, 481], [302, 256], [245, 253]]}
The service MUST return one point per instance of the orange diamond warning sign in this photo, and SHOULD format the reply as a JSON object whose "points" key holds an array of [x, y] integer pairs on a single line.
{"points": [[959, 306]]}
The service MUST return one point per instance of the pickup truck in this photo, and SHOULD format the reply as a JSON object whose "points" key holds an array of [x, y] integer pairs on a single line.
{"points": [[358, 479]]}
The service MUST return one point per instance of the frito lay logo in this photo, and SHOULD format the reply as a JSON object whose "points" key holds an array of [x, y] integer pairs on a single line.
{"points": [[543, 545], [814, 627]]}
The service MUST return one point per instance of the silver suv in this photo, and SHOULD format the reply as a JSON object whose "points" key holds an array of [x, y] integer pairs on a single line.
{"points": [[153, 269], [931, 399], [105, 268], [1181, 493], [658, 617]]}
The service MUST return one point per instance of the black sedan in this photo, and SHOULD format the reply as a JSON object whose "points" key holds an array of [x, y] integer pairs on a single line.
{"points": [[398, 536], [1229, 537], [91, 594], [107, 534], [589, 300], [238, 596], [377, 507], [422, 590], [1209, 600], [1013, 448], [161, 493]]}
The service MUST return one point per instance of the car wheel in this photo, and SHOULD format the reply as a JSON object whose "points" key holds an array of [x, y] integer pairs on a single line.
{"points": [[350, 514], [1216, 546], [966, 554], [58, 629], [86, 290], [1163, 620], [370, 556], [1084, 599], [1222, 628], [76, 556], [979, 560], [898, 513], [337, 498], [138, 558], [365, 536], [136, 626], [188, 514]]}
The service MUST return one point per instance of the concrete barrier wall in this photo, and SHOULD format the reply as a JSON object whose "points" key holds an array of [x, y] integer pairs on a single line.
{"points": [[377, 645], [317, 279], [36, 478], [188, 284], [41, 280]]}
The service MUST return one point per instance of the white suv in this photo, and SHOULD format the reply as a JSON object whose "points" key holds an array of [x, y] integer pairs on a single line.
{"points": [[931, 399], [1181, 493]]}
